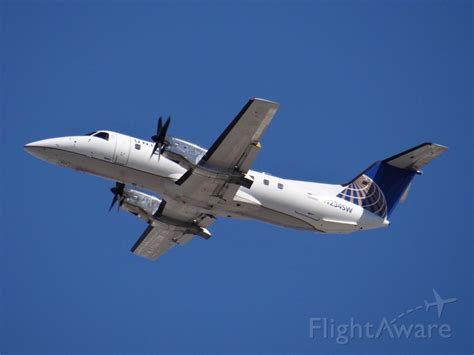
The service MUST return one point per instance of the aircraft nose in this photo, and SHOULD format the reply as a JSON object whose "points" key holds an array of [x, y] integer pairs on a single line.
{"points": [[45, 143], [42, 148]]}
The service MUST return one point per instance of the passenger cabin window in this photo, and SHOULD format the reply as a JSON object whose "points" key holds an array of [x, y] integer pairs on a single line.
{"points": [[280, 186], [137, 146], [266, 182], [102, 135]]}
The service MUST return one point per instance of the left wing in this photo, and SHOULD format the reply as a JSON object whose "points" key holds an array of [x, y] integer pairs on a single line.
{"points": [[164, 233], [169, 223], [154, 242], [223, 169]]}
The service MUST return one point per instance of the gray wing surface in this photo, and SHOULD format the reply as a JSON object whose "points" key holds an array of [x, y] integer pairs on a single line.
{"points": [[238, 145], [172, 227], [223, 168], [154, 242]]}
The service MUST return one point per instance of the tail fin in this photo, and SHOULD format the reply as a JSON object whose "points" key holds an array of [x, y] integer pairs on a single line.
{"points": [[380, 187]]}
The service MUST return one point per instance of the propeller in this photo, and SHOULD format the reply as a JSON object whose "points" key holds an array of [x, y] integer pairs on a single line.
{"points": [[118, 194], [159, 137]]}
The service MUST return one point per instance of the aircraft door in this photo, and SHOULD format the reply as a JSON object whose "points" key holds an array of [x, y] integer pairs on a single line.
{"points": [[122, 150]]}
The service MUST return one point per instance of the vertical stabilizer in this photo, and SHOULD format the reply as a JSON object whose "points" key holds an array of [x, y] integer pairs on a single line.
{"points": [[380, 187]]}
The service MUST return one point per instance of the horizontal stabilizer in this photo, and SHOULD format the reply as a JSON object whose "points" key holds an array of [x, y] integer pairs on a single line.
{"points": [[417, 157]]}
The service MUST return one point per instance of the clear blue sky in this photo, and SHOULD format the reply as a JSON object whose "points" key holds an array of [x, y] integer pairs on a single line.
{"points": [[357, 82]]}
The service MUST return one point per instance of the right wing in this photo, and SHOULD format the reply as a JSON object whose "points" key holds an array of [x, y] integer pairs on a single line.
{"points": [[224, 167], [238, 145]]}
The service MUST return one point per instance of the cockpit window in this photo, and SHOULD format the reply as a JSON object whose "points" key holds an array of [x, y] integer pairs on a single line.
{"points": [[103, 135], [90, 134]]}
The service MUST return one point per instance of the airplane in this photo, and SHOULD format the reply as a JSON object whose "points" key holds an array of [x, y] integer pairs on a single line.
{"points": [[439, 303], [196, 186]]}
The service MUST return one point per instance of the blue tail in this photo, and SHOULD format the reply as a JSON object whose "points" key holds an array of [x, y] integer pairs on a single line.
{"points": [[379, 188]]}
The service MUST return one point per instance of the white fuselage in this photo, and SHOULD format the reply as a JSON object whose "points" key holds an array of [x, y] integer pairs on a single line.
{"points": [[288, 203]]}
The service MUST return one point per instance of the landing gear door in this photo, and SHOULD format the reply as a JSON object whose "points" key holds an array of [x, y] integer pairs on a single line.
{"points": [[122, 150]]}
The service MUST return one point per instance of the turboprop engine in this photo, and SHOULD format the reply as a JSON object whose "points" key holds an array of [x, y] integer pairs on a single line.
{"points": [[136, 202], [149, 209], [139, 203]]}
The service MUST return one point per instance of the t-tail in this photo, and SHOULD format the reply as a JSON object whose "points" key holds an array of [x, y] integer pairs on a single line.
{"points": [[380, 187]]}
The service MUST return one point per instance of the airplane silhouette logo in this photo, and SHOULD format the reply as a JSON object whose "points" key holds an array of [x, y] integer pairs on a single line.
{"points": [[439, 303]]}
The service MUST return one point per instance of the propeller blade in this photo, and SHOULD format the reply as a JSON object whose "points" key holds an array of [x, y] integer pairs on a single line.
{"points": [[155, 147], [165, 127], [160, 124], [118, 195], [159, 137], [114, 200]]}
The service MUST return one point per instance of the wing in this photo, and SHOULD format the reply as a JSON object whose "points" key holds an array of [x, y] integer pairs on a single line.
{"points": [[238, 145], [154, 241], [164, 233], [223, 169], [169, 223]]}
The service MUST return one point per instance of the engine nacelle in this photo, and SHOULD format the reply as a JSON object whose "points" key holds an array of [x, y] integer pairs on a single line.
{"points": [[188, 154], [146, 207], [140, 203]]}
